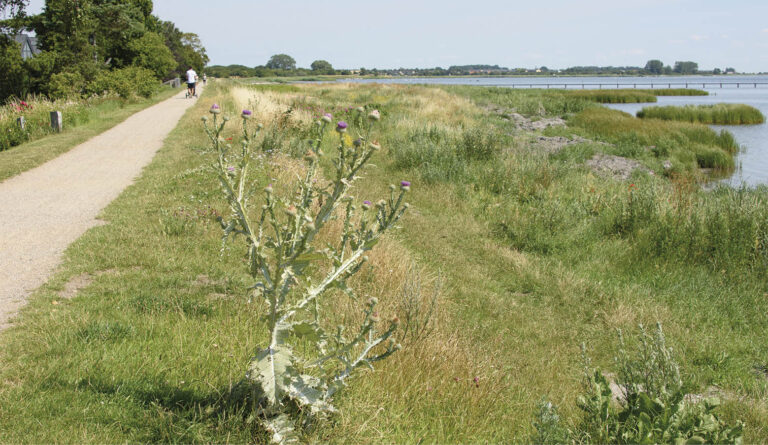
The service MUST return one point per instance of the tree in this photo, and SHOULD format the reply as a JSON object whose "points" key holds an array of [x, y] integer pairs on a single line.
{"points": [[150, 52], [716, 71], [322, 67], [12, 81], [281, 62], [654, 66], [686, 67]]}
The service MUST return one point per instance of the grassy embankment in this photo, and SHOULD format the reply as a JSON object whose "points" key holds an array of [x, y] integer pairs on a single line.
{"points": [[717, 114], [538, 254], [82, 121]]}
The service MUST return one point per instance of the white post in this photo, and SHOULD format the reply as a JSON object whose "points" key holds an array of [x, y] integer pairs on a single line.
{"points": [[22, 123], [57, 123]]}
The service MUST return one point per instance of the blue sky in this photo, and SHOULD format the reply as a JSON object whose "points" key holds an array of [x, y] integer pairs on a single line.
{"points": [[429, 33]]}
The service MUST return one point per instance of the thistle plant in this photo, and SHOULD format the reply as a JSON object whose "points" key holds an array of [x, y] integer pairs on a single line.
{"points": [[293, 277]]}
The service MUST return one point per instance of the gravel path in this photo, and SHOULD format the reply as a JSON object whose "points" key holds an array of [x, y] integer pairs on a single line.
{"points": [[45, 209]]}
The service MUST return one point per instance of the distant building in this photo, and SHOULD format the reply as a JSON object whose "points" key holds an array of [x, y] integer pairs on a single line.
{"points": [[28, 45]]}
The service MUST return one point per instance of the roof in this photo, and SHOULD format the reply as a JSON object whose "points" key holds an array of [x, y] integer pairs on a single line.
{"points": [[28, 45]]}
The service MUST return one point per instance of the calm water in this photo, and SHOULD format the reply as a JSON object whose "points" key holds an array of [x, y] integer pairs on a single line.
{"points": [[752, 161]]}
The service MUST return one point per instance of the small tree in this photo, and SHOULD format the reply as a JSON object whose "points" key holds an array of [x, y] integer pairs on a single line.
{"points": [[322, 67], [281, 62], [151, 53], [654, 66]]}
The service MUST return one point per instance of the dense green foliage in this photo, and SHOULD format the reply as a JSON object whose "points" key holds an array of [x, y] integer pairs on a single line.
{"points": [[81, 40], [718, 114], [648, 404]]}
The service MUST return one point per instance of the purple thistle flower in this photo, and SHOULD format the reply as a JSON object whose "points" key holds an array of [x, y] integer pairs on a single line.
{"points": [[366, 202], [215, 109], [231, 169], [341, 127], [247, 113], [405, 183], [327, 117]]}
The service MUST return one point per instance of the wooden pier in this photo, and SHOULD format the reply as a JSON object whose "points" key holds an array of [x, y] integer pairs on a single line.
{"points": [[638, 85]]}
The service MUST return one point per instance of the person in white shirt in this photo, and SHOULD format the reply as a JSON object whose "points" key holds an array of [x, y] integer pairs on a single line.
{"points": [[191, 81]]}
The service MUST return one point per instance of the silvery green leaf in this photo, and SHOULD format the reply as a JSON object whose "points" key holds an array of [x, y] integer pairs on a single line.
{"points": [[268, 369], [309, 330], [282, 429], [308, 391]]}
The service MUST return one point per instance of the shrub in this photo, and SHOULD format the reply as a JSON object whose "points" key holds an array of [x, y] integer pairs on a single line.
{"points": [[125, 82], [66, 85]]}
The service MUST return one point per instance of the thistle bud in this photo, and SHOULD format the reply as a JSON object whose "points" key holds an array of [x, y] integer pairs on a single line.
{"points": [[204, 118], [327, 117], [381, 204], [310, 226], [406, 206], [392, 187], [215, 109], [366, 205], [375, 317], [374, 115], [365, 259], [375, 146], [360, 110], [259, 125], [395, 320], [373, 301], [357, 142], [291, 211], [310, 156], [398, 347], [405, 186], [226, 118], [268, 189]]}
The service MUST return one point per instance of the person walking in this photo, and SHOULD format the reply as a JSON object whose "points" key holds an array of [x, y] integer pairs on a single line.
{"points": [[191, 81]]}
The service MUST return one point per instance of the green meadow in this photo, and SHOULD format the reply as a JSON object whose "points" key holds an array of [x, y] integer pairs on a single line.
{"points": [[717, 114], [527, 254]]}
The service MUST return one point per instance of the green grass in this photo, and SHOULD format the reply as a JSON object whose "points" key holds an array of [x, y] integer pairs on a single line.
{"points": [[716, 114], [97, 119], [538, 253], [688, 145]]}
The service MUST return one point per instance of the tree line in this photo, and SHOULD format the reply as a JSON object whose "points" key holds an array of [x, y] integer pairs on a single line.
{"points": [[86, 45], [285, 65]]}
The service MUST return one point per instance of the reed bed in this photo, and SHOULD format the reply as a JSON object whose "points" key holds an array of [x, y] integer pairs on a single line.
{"points": [[717, 114]]}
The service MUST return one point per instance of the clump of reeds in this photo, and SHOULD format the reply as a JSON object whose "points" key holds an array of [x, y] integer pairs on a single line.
{"points": [[679, 92], [721, 114]]}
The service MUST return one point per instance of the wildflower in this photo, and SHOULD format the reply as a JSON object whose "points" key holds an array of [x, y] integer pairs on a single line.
{"points": [[230, 169], [366, 205], [405, 186], [375, 317], [395, 320], [360, 110], [215, 109], [341, 127], [373, 301], [631, 186], [229, 138], [310, 156], [247, 114], [374, 115], [375, 146], [268, 189], [357, 142], [327, 118], [291, 210]]}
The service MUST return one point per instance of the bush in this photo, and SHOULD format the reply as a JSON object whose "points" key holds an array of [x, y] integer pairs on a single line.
{"points": [[125, 82], [66, 85]]}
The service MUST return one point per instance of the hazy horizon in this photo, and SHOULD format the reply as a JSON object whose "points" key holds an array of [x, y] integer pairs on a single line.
{"points": [[425, 34]]}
